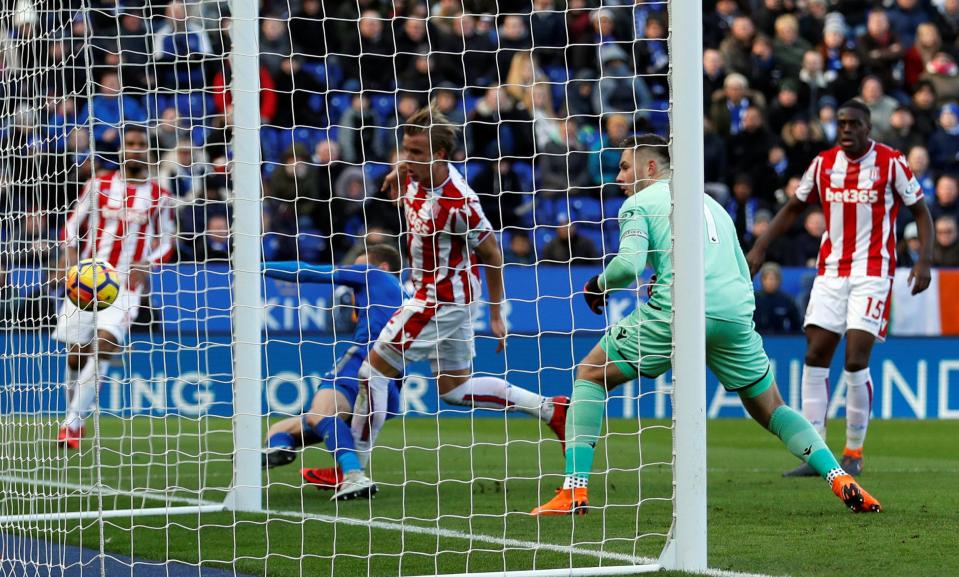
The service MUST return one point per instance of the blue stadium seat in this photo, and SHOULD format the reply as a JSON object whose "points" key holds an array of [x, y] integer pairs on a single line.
{"points": [[470, 101], [310, 245], [337, 103], [375, 172], [317, 70], [309, 136], [611, 210], [384, 107], [542, 237], [558, 76], [524, 171], [660, 122], [270, 143], [586, 210]]}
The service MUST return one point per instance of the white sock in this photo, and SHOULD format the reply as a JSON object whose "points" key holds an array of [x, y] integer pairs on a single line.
{"points": [[858, 407], [815, 397], [369, 412], [575, 482], [69, 383], [85, 393], [495, 393]]}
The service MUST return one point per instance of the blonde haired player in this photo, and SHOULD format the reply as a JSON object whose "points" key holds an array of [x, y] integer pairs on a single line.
{"points": [[124, 218], [447, 236]]}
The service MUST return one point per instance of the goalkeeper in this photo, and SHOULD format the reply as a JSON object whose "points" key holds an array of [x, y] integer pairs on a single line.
{"points": [[377, 294], [641, 343]]}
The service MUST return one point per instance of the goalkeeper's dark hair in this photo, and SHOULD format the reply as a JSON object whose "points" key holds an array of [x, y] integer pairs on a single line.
{"points": [[649, 142], [379, 253], [441, 131], [856, 104]]}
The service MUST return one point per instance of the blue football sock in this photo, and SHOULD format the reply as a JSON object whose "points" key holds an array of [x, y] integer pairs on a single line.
{"points": [[339, 440], [281, 440]]}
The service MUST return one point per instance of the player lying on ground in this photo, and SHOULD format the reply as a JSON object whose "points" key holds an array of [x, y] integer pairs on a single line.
{"points": [[861, 186], [134, 230], [641, 343], [374, 278], [448, 236]]}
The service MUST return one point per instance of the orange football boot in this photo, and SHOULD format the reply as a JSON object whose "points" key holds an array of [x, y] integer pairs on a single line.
{"points": [[855, 497], [566, 502]]}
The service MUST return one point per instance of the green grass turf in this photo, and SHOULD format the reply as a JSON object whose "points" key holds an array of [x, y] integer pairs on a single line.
{"points": [[758, 521]]}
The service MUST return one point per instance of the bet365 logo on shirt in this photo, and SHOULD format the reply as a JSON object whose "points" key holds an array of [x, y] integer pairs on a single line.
{"points": [[852, 195]]}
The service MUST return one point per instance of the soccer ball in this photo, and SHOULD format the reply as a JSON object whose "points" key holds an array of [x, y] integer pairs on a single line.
{"points": [[92, 284]]}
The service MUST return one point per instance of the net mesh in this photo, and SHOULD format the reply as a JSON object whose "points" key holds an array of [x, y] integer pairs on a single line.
{"points": [[541, 94]]}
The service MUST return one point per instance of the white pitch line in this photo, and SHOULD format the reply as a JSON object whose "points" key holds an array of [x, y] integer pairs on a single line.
{"points": [[725, 573], [450, 533], [376, 524], [105, 491]]}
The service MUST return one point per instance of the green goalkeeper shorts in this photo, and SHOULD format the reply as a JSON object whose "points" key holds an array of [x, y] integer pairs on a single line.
{"points": [[642, 344]]}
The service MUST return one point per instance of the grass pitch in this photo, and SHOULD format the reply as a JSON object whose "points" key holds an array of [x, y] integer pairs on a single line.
{"points": [[455, 500]]}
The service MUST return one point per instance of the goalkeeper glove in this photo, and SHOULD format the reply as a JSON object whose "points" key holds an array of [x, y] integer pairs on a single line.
{"points": [[595, 297]]}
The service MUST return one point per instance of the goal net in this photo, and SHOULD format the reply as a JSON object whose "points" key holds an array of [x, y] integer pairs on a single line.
{"points": [[206, 149]]}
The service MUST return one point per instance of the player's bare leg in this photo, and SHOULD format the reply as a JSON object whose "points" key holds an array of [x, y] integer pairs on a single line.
{"points": [[802, 441], [90, 372], [820, 348], [858, 397], [595, 376], [460, 387]]}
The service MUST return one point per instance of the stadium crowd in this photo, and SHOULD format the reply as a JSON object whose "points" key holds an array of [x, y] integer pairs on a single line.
{"points": [[544, 91]]}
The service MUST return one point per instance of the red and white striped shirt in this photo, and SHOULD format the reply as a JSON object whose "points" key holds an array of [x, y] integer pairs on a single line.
{"points": [[444, 226], [134, 223], [860, 201]]}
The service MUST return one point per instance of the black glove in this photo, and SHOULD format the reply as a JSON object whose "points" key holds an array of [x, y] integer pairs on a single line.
{"points": [[595, 297], [650, 286]]}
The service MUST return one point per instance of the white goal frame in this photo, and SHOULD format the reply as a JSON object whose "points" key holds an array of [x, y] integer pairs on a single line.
{"points": [[685, 548]]}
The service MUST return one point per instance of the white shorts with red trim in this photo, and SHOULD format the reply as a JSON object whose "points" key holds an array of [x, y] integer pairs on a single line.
{"points": [[840, 304], [78, 327], [442, 333]]}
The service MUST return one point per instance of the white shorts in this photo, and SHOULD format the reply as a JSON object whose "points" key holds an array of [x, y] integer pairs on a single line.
{"points": [[839, 304], [76, 326], [442, 333]]}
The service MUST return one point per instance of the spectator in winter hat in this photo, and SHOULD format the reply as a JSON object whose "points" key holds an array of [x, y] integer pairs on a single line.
{"points": [[834, 42], [907, 253], [943, 74]]}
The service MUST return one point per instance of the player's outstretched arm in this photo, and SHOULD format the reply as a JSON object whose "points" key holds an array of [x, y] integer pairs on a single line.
{"points": [[920, 276], [353, 276], [296, 271], [783, 221]]}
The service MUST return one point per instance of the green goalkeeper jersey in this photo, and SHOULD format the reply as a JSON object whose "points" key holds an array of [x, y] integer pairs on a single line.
{"points": [[645, 237]]}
